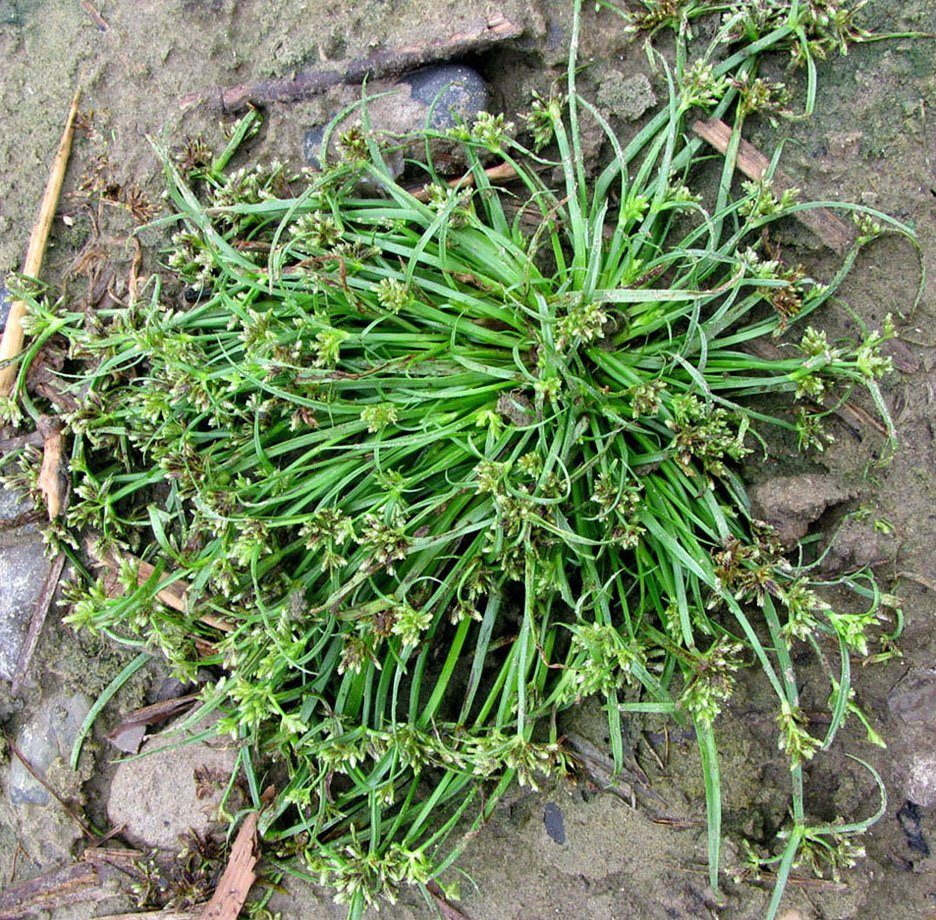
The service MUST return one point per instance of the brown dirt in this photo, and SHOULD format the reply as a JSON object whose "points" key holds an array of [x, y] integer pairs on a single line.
{"points": [[873, 140]]}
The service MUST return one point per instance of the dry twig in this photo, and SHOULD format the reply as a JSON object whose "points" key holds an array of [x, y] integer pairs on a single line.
{"points": [[43, 602], [447, 911], [151, 915], [503, 172], [12, 342], [52, 481], [173, 595], [75, 883], [234, 886], [495, 28], [835, 233], [96, 17]]}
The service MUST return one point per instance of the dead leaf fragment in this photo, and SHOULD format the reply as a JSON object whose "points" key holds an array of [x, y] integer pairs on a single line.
{"points": [[232, 890], [51, 480], [71, 885], [128, 736]]}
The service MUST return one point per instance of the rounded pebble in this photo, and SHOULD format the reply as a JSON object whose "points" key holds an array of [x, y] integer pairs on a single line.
{"points": [[453, 91], [442, 96], [555, 824], [49, 734], [5, 298], [922, 786]]}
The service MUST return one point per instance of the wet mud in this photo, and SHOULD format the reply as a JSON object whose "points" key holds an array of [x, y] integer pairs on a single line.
{"points": [[571, 849]]}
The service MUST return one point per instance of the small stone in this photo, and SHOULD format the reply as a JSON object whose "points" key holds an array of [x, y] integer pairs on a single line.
{"points": [[128, 740], [914, 698], [5, 298], [440, 95], [911, 823], [48, 735], [453, 92], [626, 97], [24, 568], [792, 503], [169, 793], [921, 787], [555, 824]]}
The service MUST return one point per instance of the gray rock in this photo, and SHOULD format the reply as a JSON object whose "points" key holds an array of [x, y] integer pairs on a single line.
{"points": [[439, 96], [914, 698], [47, 736], [23, 569], [626, 97], [452, 92], [4, 306], [921, 787], [171, 792], [554, 822], [792, 503]]}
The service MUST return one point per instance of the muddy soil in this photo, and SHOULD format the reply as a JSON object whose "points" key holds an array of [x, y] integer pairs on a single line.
{"points": [[871, 140]]}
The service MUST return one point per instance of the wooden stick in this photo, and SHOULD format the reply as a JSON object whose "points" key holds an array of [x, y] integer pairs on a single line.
{"points": [[503, 172], [308, 83], [174, 595], [151, 915], [240, 874], [54, 889], [835, 233], [12, 342], [37, 621]]}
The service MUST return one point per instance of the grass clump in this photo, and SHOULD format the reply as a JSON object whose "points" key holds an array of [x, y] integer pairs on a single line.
{"points": [[383, 412]]}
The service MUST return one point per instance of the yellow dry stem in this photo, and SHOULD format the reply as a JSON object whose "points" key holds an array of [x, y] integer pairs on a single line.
{"points": [[12, 342]]}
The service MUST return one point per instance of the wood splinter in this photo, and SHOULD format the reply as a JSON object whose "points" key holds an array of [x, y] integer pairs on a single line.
{"points": [[835, 233], [240, 874], [382, 64], [12, 342], [52, 480], [173, 594]]}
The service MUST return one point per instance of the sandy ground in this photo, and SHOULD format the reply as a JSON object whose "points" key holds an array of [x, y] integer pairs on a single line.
{"points": [[872, 140]]}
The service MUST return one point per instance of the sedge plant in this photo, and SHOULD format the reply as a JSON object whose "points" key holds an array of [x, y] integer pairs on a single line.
{"points": [[433, 467]]}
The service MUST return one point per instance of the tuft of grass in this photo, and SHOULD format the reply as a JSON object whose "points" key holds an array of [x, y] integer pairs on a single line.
{"points": [[443, 468]]}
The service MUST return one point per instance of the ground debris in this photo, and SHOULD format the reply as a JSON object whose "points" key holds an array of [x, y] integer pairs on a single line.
{"points": [[630, 784], [173, 595], [12, 341], [52, 481], [161, 914], [835, 233], [482, 35], [239, 876], [128, 736], [791, 503], [75, 884], [447, 911], [41, 610]]}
